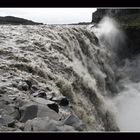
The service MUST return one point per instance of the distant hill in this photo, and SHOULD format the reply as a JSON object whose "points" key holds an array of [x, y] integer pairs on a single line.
{"points": [[17, 21]]}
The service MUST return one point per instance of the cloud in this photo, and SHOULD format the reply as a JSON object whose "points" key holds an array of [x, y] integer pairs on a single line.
{"points": [[51, 15]]}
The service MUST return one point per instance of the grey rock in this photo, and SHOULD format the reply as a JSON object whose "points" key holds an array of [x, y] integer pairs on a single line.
{"points": [[29, 83], [9, 110], [46, 124], [22, 86], [32, 110], [19, 125], [74, 121], [42, 101], [19, 102], [45, 111], [2, 121], [61, 100], [41, 124], [65, 128], [41, 94], [6, 120], [9, 120], [34, 88], [5, 129], [5, 98], [18, 130], [52, 105], [28, 111], [64, 102]]}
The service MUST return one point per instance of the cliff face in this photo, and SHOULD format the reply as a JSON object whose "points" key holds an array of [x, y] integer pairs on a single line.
{"points": [[16, 21], [122, 15], [129, 20]]}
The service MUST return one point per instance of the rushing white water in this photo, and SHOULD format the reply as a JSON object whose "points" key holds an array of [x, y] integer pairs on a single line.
{"points": [[78, 62], [109, 33], [128, 106], [127, 102]]}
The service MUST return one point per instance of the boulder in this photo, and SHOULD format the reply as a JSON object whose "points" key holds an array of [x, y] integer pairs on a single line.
{"points": [[5, 129], [46, 124], [62, 101], [2, 121], [28, 111], [52, 105], [22, 85], [29, 83], [19, 125], [6, 120], [32, 110], [45, 111], [9, 110], [41, 124], [65, 128], [10, 121], [34, 88], [74, 121], [41, 94]]}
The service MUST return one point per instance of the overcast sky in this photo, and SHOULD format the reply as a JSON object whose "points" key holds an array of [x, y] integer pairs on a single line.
{"points": [[51, 15]]}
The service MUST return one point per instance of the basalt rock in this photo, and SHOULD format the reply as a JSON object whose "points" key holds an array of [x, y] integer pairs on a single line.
{"points": [[32, 110], [46, 124], [74, 121]]}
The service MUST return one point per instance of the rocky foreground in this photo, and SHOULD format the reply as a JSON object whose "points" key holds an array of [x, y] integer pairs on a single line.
{"points": [[54, 78]]}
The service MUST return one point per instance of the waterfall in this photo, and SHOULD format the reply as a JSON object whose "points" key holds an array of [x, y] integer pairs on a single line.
{"points": [[82, 63], [127, 100]]}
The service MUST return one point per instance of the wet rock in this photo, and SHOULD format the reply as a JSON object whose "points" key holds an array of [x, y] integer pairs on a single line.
{"points": [[10, 110], [42, 101], [18, 130], [74, 121], [19, 102], [28, 111], [6, 120], [45, 111], [41, 124], [52, 105], [65, 128], [35, 94], [62, 101], [29, 83], [46, 124], [41, 94], [9, 120], [5, 99], [22, 86], [19, 125], [2, 121], [34, 88], [5, 129], [3, 90]]}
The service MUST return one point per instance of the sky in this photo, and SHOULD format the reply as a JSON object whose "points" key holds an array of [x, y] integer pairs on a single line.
{"points": [[51, 15]]}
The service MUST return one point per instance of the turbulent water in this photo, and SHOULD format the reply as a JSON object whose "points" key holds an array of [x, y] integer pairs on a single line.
{"points": [[127, 99], [79, 62]]}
